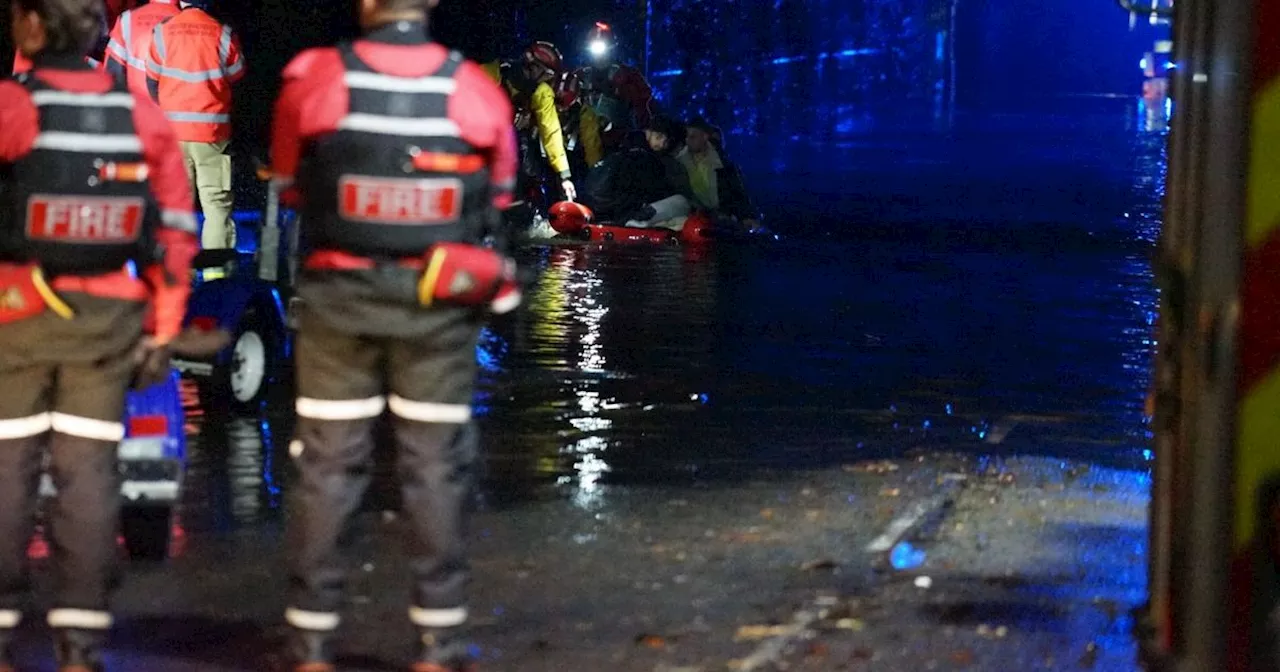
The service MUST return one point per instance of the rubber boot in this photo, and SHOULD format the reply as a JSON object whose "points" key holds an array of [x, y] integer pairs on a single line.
{"points": [[6, 650], [443, 650], [311, 651], [79, 650]]}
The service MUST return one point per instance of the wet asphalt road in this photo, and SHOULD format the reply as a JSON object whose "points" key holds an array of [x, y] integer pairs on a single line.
{"points": [[680, 443]]}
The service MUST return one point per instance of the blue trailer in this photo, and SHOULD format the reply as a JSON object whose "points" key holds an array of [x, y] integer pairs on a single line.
{"points": [[248, 296]]}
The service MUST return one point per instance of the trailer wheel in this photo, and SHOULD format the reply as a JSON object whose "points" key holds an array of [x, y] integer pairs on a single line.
{"points": [[241, 378], [147, 531]]}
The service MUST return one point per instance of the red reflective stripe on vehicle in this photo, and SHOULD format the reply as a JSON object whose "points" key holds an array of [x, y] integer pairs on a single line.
{"points": [[1260, 314], [1266, 65], [148, 425]]}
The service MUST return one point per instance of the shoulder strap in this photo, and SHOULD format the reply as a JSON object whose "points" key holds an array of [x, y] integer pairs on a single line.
{"points": [[353, 63]]}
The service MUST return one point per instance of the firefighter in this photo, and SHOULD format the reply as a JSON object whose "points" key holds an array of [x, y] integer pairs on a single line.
{"points": [[541, 137], [621, 97], [97, 53], [399, 155], [130, 42], [192, 63], [580, 124], [97, 222]]}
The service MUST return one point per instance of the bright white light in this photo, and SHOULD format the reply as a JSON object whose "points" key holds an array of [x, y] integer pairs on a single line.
{"points": [[598, 47]]}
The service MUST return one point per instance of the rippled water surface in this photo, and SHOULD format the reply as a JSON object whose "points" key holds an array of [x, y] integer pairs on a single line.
{"points": [[982, 291]]}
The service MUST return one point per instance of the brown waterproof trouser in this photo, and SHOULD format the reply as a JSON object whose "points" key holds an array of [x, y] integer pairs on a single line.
{"points": [[345, 382], [62, 387]]}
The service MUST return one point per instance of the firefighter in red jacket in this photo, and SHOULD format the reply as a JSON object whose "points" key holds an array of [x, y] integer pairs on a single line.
{"points": [[130, 42], [96, 56], [622, 99], [98, 222], [399, 154]]}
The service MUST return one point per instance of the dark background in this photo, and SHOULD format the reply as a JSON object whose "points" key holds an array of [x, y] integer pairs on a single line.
{"points": [[787, 70]]}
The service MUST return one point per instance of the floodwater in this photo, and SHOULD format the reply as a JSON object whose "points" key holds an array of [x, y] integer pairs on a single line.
{"points": [[983, 290]]}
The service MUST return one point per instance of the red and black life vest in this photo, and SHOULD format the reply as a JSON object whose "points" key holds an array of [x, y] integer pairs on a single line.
{"points": [[364, 192], [60, 212]]}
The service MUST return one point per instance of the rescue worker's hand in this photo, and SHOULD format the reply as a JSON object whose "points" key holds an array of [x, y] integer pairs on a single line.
{"points": [[570, 192], [200, 343], [152, 360]]}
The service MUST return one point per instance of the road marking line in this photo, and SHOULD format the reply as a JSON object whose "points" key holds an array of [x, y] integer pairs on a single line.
{"points": [[899, 526], [771, 649]]}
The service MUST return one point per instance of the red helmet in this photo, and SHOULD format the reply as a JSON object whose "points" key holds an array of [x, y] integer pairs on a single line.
{"points": [[544, 54], [568, 87]]}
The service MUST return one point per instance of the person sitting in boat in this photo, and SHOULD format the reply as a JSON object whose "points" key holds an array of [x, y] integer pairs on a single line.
{"points": [[665, 137], [642, 186], [716, 182]]}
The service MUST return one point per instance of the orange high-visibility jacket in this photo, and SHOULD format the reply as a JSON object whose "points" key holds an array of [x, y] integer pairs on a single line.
{"points": [[193, 62], [130, 42]]}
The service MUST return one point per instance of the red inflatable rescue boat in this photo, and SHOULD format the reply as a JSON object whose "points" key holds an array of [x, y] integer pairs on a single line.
{"points": [[576, 220]]}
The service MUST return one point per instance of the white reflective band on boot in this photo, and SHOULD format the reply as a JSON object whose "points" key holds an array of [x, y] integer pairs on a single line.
{"points": [[438, 618], [426, 411], [21, 428], [9, 619], [82, 619], [87, 428], [342, 409], [318, 621]]}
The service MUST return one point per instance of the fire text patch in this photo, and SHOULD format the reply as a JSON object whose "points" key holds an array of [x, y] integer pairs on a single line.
{"points": [[400, 200], [85, 219]]}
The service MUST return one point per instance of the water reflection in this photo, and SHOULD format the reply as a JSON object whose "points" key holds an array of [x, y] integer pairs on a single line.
{"points": [[233, 472], [964, 305]]}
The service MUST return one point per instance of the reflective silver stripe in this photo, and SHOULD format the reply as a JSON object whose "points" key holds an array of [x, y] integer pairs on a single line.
{"points": [[88, 143], [208, 117], [118, 49], [372, 81], [176, 219], [87, 428], [69, 99], [426, 411], [157, 491], [321, 621], [157, 38], [79, 618], [126, 30], [235, 68], [224, 46], [21, 428], [343, 409], [10, 619], [281, 183], [192, 77], [437, 618], [373, 123]]}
